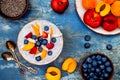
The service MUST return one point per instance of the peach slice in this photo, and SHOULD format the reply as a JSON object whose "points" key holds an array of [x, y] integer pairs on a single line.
{"points": [[103, 8], [44, 54], [28, 46], [36, 30], [53, 73], [69, 65]]}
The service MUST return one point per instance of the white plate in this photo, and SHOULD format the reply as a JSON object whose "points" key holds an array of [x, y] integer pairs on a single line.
{"points": [[100, 30], [31, 57]]}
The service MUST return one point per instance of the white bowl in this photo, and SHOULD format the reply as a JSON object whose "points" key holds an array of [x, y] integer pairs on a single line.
{"points": [[31, 57]]}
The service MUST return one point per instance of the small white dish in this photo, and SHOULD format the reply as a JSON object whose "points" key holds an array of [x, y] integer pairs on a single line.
{"points": [[31, 57], [100, 30]]}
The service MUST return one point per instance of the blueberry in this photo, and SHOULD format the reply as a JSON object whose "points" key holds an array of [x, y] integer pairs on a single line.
{"points": [[101, 78], [106, 75], [44, 42], [87, 45], [34, 37], [53, 40], [40, 49], [98, 57], [104, 59], [46, 28], [84, 70], [108, 69], [85, 74], [97, 70], [84, 65], [26, 41], [94, 63], [89, 60], [89, 66], [99, 62], [50, 53], [40, 39], [93, 57], [95, 77], [92, 69], [38, 43], [91, 79], [87, 38], [38, 58], [102, 67], [91, 74], [107, 63], [109, 47]]}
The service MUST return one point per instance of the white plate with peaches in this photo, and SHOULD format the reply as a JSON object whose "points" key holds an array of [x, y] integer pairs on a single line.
{"points": [[101, 16]]}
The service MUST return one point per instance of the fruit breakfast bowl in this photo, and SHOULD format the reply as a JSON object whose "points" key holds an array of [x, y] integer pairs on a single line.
{"points": [[40, 42], [96, 67], [100, 21]]}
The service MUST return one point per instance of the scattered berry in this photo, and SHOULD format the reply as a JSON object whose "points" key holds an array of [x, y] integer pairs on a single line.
{"points": [[108, 69], [49, 53], [38, 43], [34, 37], [89, 60], [53, 40], [33, 50], [87, 38], [26, 41], [46, 28], [87, 45], [50, 45], [29, 35], [109, 47], [44, 41], [38, 58], [40, 39], [44, 34], [104, 59], [107, 63], [40, 49]]}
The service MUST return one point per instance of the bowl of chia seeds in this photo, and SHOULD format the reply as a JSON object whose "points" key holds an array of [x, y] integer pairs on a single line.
{"points": [[13, 9]]}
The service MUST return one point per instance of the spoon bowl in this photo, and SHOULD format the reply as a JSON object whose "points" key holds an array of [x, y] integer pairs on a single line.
{"points": [[7, 56]]}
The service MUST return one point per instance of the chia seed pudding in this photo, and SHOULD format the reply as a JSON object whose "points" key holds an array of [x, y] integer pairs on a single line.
{"points": [[12, 8]]}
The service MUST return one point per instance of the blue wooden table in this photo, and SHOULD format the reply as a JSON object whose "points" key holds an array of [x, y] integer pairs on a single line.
{"points": [[73, 32]]}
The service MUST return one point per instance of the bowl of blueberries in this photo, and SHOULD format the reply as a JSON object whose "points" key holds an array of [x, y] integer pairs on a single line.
{"points": [[96, 66]]}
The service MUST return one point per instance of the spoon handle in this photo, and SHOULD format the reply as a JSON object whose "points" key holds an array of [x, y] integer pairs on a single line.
{"points": [[30, 69], [20, 67]]}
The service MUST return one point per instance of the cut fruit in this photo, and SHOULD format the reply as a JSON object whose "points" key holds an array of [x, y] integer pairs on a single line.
{"points": [[109, 1], [28, 46], [34, 50], [44, 34], [51, 31], [36, 30], [104, 6], [44, 54], [29, 35], [53, 73]]}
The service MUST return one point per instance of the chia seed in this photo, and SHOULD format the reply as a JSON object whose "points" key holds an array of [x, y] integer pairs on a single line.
{"points": [[12, 8]]}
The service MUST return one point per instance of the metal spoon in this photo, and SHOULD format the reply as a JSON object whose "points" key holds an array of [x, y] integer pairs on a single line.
{"points": [[9, 57], [11, 46]]}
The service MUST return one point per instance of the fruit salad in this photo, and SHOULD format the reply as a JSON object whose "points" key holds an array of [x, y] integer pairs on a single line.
{"points": [[40, 41], [97, 67], [104, 13]]}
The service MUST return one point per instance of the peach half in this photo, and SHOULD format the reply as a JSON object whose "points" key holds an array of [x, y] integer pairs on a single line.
{"points": [[53, 73], [102, 8], [69, 65]]}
